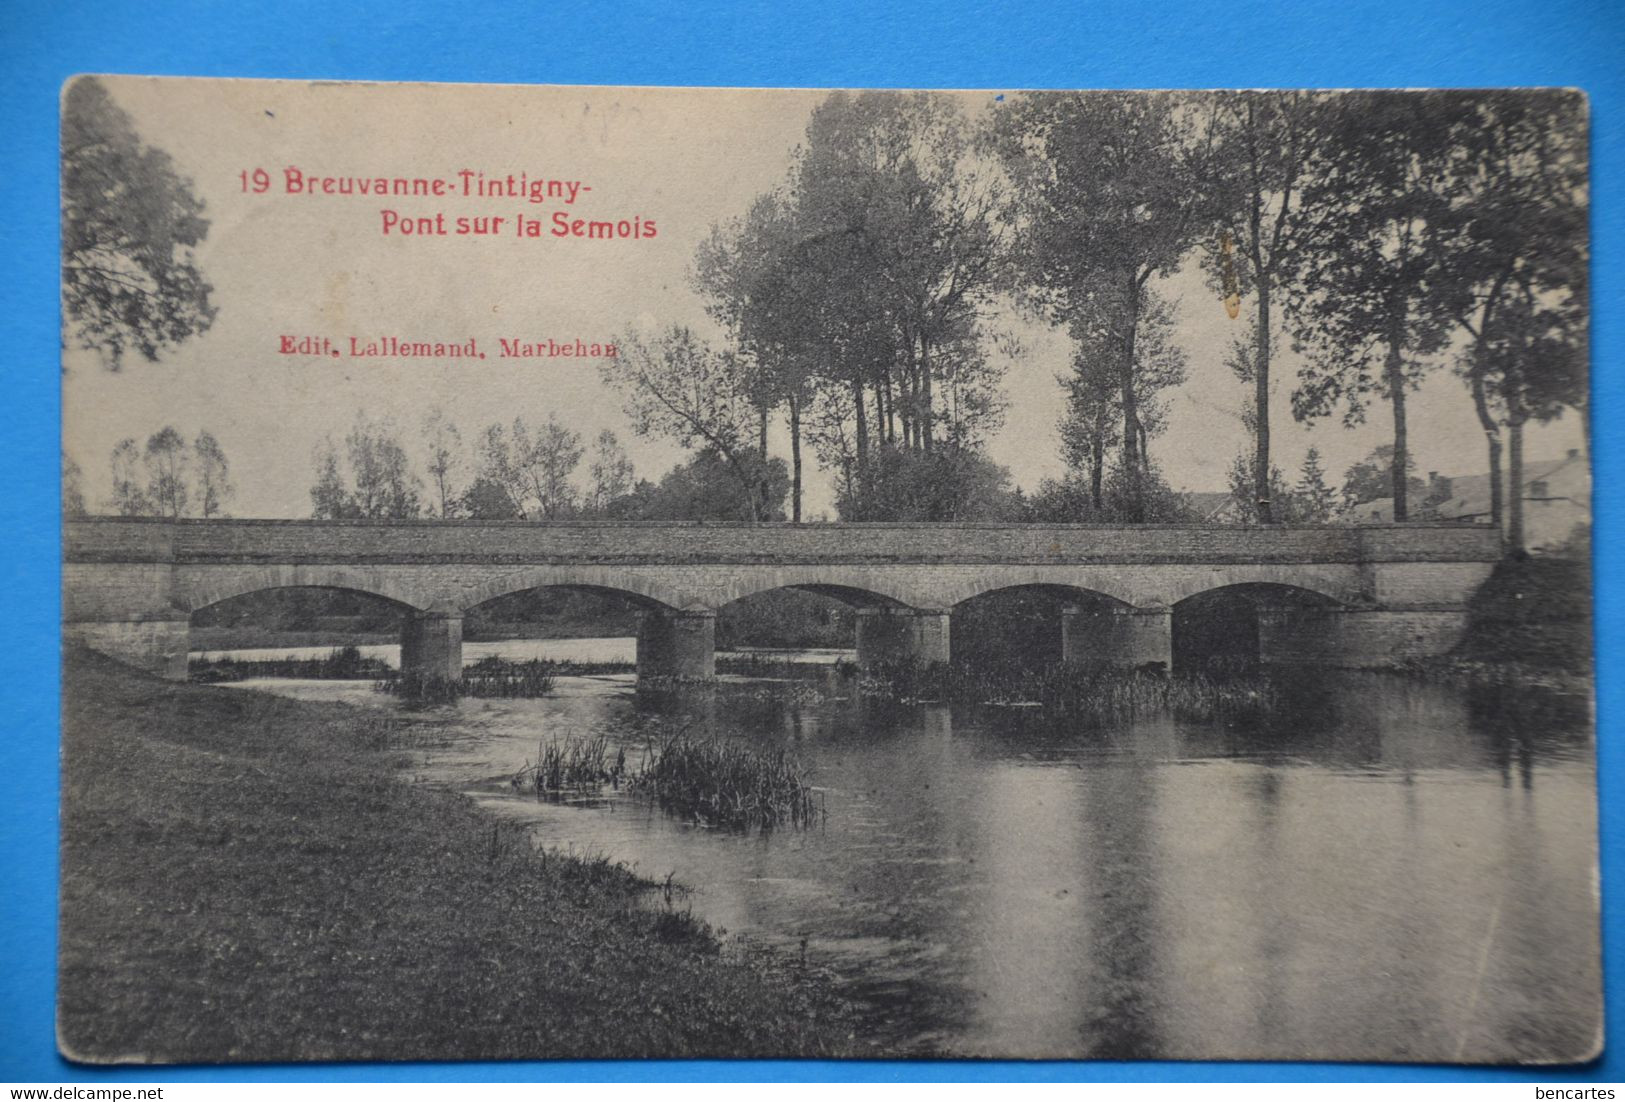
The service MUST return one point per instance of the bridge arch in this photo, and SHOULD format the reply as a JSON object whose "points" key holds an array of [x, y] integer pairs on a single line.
{"points": [[1231, 626], [196, 591], [1027, 623], [1088, 584], [858, 585], [647, 592], [1078, 594], [1340, 583]]}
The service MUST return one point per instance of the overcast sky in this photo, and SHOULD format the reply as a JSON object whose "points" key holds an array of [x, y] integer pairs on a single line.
{"points": [[299, 264]]}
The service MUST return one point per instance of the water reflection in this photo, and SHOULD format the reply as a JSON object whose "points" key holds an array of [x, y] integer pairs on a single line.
{"points": [[1386, 869]]}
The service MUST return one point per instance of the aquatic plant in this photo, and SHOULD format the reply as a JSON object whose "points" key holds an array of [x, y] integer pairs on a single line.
{"points": [[751, 664], [419, 688], [340, 664], [489, 677], [1092, 693], [564, 765], [497, 677], [726, 784]]}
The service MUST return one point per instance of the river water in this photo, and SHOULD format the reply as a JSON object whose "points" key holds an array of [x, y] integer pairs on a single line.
{"points": [[1408, 874]]}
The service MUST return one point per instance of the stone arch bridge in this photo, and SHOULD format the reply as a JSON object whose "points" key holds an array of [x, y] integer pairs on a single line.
{"points": [[1336, 595]]}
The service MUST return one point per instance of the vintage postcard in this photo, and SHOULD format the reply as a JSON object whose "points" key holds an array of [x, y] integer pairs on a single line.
{"points": [[566, 572]]}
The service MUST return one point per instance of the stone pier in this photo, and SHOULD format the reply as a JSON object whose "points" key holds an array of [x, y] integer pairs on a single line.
{"points": [[677, 644], [1117, 636], [902, 635], [432, 644]]}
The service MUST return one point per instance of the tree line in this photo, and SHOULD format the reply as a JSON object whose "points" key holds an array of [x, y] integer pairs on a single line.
{"points": [[1386, 235], [520, 470], [166, 477]]}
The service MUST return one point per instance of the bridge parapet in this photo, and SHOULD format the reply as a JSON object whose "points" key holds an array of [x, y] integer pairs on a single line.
{"points": [[104, 539]]}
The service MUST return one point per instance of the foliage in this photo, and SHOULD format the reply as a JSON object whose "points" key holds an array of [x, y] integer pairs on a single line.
{"points": [[572, 764], [1092, 425], [73, 490], [1516, 263], [1091, 694], [532, 467], [1139, 494], [168, 477], [1371, 478], [380, 483], [948, 483], [1315, 500], [130, 224], [300, 609], [610, 474], [167, 459], [492, 676], [709, 487], [1115, 189], [1072, 500], [445, 461], [1244, 485], [214, 486], [676, 385], [1535, 612], [487, 499], [1371, 302], [785, 618], [854, 294], [1266, 142]]}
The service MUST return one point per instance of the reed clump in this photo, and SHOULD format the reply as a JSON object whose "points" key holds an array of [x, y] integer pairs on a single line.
{"points": [[489, 677], [1090, 693], [750, 664], [498, 677], [339, 664], [572, 765], [711, 781], [726, 784]]}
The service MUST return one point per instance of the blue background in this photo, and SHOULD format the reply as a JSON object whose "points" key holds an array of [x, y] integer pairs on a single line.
{"points": [[836, 43]]}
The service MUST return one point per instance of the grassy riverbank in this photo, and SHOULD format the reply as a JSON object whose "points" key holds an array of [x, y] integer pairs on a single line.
{"points": [[1529, 626], [252, 878]]}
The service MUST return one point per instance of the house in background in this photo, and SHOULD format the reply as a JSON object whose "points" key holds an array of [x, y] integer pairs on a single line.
{"points": [[1556, 501], [1213, 507]]}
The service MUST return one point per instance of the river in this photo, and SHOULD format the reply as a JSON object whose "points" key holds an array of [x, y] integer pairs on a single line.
{"points": [[1408, 875]]}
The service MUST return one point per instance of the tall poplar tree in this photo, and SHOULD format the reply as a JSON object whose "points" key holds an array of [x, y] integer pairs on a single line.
{"points": [[1262, 165], [1374, 308], [1516, 264], [1115, 189]]}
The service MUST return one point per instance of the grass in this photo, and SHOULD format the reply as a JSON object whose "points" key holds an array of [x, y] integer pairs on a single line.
{"points": [[251, 878]]}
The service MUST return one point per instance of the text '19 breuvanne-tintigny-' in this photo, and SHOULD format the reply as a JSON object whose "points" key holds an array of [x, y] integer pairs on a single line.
{"points": [[1033, 574]]}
